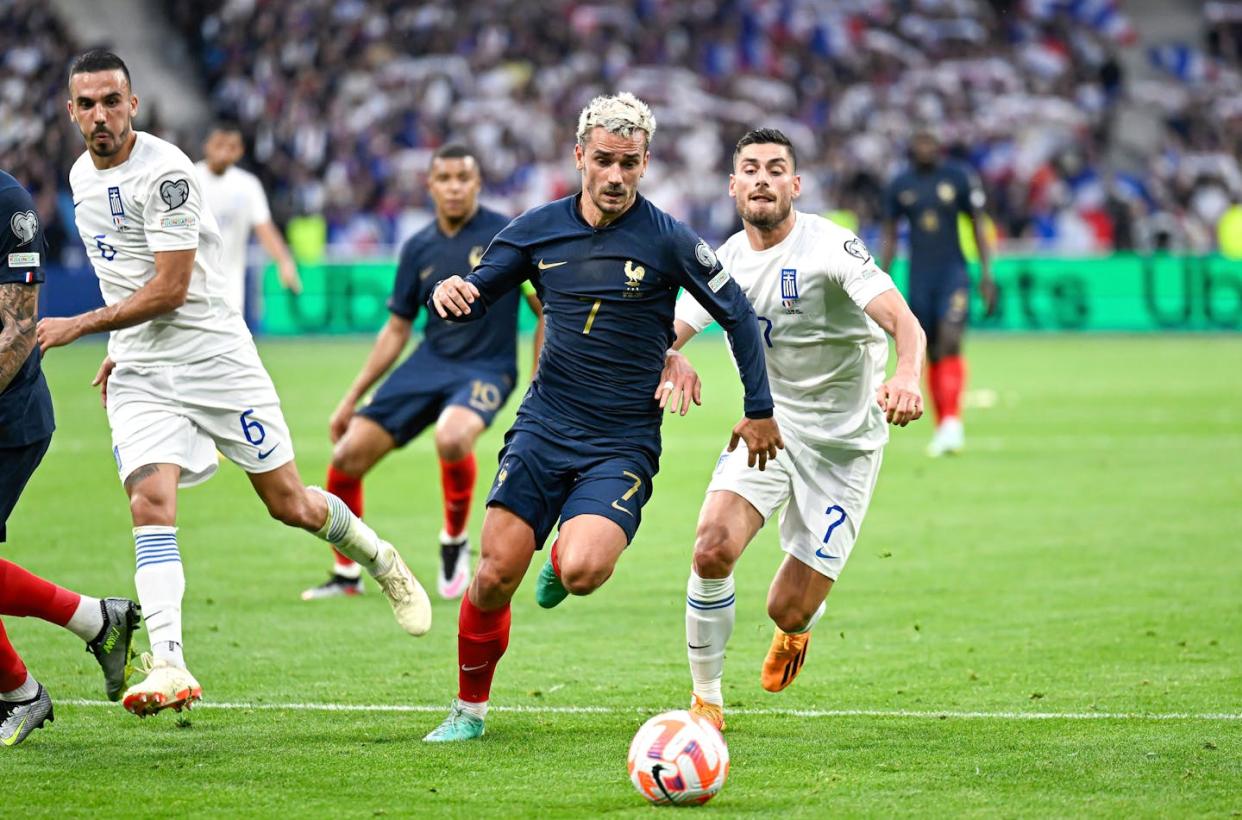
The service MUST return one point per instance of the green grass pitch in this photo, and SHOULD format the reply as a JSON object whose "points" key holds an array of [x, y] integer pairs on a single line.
{"points": [[1082, 559]]}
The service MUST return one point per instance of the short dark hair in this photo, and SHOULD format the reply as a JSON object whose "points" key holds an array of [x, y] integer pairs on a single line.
{"points": [[453, 150], [228, 125], [98, 59], [766, 136]]}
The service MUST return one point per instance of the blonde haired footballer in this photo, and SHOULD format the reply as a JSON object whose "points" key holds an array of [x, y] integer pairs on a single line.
{"points": [[182, 377], [821, 302]]}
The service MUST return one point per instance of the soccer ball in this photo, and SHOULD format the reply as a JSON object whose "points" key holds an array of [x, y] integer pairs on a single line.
{"points": [[678, 758]]}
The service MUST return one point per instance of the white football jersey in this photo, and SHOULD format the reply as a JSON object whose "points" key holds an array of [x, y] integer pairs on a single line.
{"points": [[153, 202], [237, 201], [826, 357]]}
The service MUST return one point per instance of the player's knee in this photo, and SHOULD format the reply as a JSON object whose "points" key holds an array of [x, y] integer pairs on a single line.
{"points": [[453, 444], [148, 509], [494, 582], [715, 550], [788, 615], [582, 577], [347, 460]]}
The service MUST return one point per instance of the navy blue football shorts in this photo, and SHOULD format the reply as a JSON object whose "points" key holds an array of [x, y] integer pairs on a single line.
{"points": [[940, 299], [414, 395], [17, 465], [544, 479]]}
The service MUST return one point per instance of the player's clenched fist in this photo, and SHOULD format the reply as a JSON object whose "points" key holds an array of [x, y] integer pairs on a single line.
{"points": [[454, 296], [55, 332], [762, 437], [900, 399]]}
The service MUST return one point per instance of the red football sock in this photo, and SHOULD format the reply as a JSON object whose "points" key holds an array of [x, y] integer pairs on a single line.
{"points": [[482, 638], [28, 595], [952, 371], [555, 559], [12, 670], [935, 389], [348, 489], [457, 479]]}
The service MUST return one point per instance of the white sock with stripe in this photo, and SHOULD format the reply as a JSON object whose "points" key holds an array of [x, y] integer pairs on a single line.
{"points": [[160, 581], [710, 612], [352, 537]]}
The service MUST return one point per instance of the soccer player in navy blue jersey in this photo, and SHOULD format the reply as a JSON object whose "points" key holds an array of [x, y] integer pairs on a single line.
{"points": [[929, 195], [26, 425], [607, 266], [457, 379]]}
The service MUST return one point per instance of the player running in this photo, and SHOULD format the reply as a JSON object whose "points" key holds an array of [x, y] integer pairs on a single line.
{"points": [[606, 264], [235, 198], [458, 378], [26, 425], [930, 195], [821, 302], [182, 376]]}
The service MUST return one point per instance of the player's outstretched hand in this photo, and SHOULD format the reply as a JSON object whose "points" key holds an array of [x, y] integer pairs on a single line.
{"points": [[679, 384], [289, 278], [101, 379], [900, 399], [339, 420], [987, 290], [54, 332], [454, 296], [762, 437]]}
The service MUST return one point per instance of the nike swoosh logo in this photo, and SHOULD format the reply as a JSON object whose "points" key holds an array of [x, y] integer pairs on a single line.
{"points": [[819, 553], [692, 646], [263, 455], [548, 265], [617, 506], [465, 668], [11, 739]]}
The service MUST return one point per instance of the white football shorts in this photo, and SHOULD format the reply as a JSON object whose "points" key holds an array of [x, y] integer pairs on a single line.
{"points": [[182, 414], [825, 492]]}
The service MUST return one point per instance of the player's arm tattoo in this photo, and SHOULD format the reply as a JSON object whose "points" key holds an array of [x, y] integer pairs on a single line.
{"points": [[19, 314]]}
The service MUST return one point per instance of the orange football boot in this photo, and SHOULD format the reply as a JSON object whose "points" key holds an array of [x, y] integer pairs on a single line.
{"points": [[713, 713], [784, 660]]}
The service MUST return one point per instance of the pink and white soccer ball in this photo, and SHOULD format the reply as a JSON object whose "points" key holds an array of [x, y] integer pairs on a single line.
{"points": [[678, 758]]}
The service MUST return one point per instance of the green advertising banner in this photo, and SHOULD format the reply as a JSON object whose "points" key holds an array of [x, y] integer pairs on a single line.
{"points": [[1127, 292]]}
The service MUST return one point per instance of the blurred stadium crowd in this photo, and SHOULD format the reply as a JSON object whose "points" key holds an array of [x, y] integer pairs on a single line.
{"points": [[342, 102]]}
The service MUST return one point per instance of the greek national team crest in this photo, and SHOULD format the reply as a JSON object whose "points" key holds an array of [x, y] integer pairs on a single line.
{"points": [[789, 283], [117, 207], [789, 290], [25, 224], [174, 192]]}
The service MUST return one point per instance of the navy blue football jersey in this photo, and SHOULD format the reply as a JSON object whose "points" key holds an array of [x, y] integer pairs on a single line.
{"points": [[25, 403], [608, 295], [427, 258], [931, 201]]}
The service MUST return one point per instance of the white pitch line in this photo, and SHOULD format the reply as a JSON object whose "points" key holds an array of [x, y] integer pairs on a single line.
{"points": [[638, 710]]}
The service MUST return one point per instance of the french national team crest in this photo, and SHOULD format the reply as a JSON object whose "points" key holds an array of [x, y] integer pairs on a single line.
{"points": [[789, 290]]}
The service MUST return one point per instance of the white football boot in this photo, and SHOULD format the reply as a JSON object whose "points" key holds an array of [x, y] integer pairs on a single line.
{"points": [[165, 687], [454, 575], [950, 438], [409, 600]]}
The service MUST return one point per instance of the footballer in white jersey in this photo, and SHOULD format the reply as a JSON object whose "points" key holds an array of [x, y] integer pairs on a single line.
{"points": [[236, 198], [182, 377], [823, 306]]}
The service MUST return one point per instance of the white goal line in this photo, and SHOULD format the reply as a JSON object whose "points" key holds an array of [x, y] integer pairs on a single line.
{"points": [[947, 714]]}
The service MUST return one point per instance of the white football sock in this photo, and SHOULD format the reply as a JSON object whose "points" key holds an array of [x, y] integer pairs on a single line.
{"points": [[710, 612], [819, 613], [160, 581], [87, 620], [453, 541], [479, 710], [26, 691], [352, 537]]}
